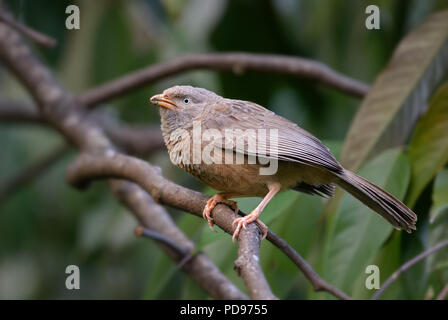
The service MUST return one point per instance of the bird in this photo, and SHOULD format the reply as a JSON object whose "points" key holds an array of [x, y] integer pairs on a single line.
{"points": [[304, 163]]}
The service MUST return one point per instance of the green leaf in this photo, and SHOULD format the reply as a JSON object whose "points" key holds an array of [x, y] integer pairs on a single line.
{"points": [[440, 196], [428, 148], [400, 93], [355, 233]]}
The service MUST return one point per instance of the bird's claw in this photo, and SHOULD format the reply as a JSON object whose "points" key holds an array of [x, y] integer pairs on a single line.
{"points": [[206, 214], [211, 204], [242, 222]]}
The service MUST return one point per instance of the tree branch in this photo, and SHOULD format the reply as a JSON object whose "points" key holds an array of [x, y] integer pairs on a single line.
{"points": [[131, 139], [407, 265], [14, 111], [247, 265], [234, 62], [90, 167]]}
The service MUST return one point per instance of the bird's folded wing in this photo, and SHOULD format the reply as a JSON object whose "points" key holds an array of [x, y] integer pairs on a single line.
{"points": [[282, 140]]}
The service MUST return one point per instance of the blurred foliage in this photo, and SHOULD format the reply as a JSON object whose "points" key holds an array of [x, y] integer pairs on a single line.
{"points": [[46, 225], [400, 93], [428, 148]]}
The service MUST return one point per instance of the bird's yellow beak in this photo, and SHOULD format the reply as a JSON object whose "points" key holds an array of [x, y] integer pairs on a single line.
{"points": [[161, 101]]}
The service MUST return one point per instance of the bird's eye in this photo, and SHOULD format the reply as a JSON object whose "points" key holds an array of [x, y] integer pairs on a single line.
{"points": [[186, 101]]}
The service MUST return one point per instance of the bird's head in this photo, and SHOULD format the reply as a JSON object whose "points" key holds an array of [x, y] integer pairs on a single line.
{"points": [[181, 104]]}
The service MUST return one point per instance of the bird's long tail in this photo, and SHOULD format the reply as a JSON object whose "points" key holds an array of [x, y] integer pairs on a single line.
{"points": [[382, 202]]}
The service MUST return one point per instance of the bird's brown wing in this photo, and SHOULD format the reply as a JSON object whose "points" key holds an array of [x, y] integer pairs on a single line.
{"points": [[293, 143]]}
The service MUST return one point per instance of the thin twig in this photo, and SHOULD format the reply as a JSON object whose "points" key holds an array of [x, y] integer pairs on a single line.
{"points": [[234, 62], [144, 232], [409, 264], [182, 252], [38, 37]]}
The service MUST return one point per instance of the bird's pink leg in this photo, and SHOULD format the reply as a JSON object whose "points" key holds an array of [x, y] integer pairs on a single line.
{"points": [[213, 201], [253, 216]]}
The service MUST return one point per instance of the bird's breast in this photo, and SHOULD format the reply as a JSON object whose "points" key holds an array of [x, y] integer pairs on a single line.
{"points": [[212, 168]]}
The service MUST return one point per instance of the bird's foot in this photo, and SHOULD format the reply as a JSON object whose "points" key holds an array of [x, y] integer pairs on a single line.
{"points": [[244, 221], [211, 204]]}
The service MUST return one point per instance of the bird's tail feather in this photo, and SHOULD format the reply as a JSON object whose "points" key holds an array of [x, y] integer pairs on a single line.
{"points": [[382, 202]]}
